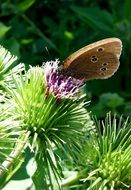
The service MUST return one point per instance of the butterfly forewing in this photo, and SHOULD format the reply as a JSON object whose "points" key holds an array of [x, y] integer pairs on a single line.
{"points": [[99, 60]]}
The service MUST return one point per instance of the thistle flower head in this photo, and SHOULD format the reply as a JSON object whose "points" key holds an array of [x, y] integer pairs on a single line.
{"points": [[61, 85], [32, 101]]}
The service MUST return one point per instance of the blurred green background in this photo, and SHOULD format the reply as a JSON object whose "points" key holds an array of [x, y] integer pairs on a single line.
{"points": [[41, 30]]}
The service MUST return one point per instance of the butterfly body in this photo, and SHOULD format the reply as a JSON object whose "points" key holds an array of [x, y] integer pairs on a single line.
{"points": [[99, 60]]}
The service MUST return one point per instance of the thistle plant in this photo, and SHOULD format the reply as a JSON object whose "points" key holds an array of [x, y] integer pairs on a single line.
{"points": [[106, 157], [113, 144], [50, 118]]}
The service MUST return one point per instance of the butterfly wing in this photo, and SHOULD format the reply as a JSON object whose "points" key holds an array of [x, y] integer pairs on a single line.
{"points": [[99, 60]]}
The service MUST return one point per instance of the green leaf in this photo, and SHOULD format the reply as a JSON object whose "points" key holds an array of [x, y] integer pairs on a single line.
{"points": [[96, 18], [111, 100], [3, 29], [39, 176], [13, 45], [7, 8], [127, 9], [24, 5], [69, 35]]}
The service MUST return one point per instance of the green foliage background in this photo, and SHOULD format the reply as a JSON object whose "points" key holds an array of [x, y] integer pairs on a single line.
{"points": [[37, 31]]}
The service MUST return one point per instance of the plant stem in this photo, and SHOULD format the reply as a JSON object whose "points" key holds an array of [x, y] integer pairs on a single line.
{"points": [[15, 153], [38, 32], [74, 178], [70, 180]]}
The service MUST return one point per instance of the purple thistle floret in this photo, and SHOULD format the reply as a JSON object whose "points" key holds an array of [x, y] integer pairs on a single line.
{"points": [[61, 85]]}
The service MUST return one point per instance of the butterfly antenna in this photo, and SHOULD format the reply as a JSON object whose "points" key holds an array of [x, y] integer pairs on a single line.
{"points": [[48, 53]]}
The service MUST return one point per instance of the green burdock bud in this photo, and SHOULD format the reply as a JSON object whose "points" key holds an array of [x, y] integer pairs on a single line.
{"points": [[109, 162]]}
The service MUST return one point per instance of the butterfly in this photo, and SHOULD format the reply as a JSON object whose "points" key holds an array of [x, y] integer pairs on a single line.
{"points": [[99, 60]]}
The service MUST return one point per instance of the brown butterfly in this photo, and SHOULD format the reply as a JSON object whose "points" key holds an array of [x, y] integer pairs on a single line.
{"points": [[99, 60]]}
